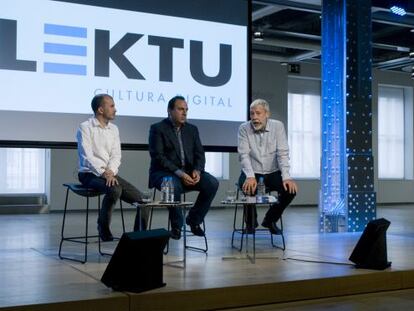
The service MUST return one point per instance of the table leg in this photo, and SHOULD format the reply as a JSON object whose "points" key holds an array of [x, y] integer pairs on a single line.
{"points": [[184, 209]]}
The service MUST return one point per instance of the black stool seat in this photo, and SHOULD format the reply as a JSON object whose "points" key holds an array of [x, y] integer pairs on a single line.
{"points": [[83, 191], [87, 193]]}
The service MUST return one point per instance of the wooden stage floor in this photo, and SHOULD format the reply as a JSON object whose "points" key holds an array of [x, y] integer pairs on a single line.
{"points": [[33, 277]]}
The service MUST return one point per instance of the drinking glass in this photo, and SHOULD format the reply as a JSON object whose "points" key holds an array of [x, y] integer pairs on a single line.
{"points": [[230, 195], [147, 196]]}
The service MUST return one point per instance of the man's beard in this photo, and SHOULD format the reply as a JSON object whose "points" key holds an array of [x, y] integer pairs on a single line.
{"points": [[258, 126]]}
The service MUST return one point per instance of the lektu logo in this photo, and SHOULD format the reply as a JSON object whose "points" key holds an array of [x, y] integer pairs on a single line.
{"points": [[104, 53]]}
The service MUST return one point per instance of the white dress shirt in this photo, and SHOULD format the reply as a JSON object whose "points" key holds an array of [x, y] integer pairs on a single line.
{"points": [[263, 152], [99, 147]]}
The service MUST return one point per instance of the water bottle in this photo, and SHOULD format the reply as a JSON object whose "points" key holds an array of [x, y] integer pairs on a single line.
{"points": [[164, 189], [261, 191], [171, 197]]}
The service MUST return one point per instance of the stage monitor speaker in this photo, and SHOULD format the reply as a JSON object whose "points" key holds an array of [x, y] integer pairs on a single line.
{"points": [[371, 250], [137, 262]]}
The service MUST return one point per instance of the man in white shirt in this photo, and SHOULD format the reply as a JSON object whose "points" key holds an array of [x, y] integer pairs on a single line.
{"points": [[264, 152], [99, 150]]}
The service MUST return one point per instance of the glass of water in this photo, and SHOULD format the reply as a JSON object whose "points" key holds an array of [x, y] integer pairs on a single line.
{"points": [[231, 195], [147, 196]]}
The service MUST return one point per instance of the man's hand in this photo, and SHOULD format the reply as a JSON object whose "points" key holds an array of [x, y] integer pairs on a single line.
{"points": [[196, 176], [290, 186], [110, 178], [111, 181], [249, 186], [187, 180], [108, 173]]}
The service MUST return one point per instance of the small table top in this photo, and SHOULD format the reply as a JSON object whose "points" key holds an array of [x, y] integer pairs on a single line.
{"points": [[162, 203], [272, 200]]}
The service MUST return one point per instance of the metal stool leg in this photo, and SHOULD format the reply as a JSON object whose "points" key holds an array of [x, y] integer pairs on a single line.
{"points": [[237, 230], [76, 239], [150, 222], [198, 249], [193, 248], [241, 230], [84, 239], [102, 253], [205, 236], [167, 247], [150, 218], [86, 228], [234, 226], [99, 237], [122, 215], [184, 238], [62, 238], [283, 247], [152, 209]]}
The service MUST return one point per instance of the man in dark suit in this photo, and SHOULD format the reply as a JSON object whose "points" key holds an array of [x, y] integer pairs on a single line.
{"points": [[176, 152]]}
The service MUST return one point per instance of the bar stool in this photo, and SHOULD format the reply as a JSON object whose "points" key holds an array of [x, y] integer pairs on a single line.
{"points": [[243, 232], [84, 239], [198, 249]]}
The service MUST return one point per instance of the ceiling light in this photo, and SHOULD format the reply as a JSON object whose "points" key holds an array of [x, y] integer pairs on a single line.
{"points": [[258, 36], [398, 10]]}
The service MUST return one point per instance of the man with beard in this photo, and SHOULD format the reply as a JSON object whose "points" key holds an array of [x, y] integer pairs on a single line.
{"points": [[264, 152]]}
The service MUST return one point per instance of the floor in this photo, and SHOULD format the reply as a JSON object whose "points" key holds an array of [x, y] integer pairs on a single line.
{"points": [[32, 274]]}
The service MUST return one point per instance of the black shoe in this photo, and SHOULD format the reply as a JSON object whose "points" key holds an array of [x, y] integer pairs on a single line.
{"points": [[105, 234], [272, 227], [195, 229], [175, 233]]}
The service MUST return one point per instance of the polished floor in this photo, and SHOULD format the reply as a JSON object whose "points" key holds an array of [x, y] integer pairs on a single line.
{"points": [[314, 266]]}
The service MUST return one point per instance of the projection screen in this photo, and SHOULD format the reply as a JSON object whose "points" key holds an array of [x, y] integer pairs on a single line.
{"points": [[56, 55]]}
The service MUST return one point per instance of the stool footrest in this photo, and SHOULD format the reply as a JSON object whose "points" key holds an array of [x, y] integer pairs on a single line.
{"points": [[85, 239], [77, 239]]}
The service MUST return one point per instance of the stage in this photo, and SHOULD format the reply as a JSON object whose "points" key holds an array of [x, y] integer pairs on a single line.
{"points": [[313, 266]]}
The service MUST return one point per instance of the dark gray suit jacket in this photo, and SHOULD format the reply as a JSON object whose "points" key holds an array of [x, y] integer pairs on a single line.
{"points": [[165, 153]]}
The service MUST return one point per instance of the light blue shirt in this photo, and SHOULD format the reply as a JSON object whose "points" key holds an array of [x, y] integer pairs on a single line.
{"points": [[263, 152]]}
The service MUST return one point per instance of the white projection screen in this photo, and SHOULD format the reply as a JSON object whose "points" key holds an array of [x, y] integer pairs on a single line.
{"points": [[56, 55]]}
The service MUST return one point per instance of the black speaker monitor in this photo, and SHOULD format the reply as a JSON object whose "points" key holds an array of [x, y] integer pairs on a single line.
{"points": [[137, 262], [371, 250]]}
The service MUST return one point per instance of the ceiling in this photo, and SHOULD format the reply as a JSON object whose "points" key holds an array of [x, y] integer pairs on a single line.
{"points": [[292, 32]]}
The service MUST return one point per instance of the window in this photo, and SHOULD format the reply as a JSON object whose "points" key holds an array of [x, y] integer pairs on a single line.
{"points": [[217, 164], [391, 132], [23, 170], [304, 129]]}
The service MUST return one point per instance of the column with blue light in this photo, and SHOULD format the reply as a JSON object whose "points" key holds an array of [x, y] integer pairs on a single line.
{"points": [[347, 197]]}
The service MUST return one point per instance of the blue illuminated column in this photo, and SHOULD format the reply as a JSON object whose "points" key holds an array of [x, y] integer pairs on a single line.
{"points": [[347, 199]]}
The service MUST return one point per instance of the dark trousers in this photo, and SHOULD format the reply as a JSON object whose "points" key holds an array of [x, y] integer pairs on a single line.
{"points": [[124, 191], [207, 187], [273, 182]]}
